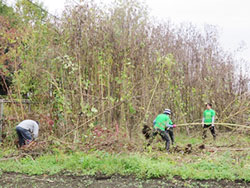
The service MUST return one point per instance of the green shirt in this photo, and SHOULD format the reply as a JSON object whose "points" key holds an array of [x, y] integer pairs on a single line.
{"points": [[161, 121], [208, 116]]}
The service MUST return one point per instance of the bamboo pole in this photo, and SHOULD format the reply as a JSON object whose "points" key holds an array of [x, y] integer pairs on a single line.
{"points": [[152, 96], [1, 120], [222, 124]]}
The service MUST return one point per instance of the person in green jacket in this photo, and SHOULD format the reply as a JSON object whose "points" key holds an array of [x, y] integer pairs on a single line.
{"points": [[208, 121], [163, 126]]}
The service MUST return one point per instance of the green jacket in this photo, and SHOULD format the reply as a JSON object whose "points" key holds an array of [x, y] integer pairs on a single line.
{"points": [[162, 121]]}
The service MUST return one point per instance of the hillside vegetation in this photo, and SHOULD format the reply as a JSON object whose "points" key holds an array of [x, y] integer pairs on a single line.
{"points": [[113, 67]]}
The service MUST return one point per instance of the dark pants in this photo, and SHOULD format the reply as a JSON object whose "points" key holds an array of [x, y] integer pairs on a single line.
{"points": [[171, 134], [163, 135], [212, 130], [24, 136]]}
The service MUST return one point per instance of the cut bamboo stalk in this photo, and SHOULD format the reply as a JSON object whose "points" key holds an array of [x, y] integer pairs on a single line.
{"points": [[222, 124]]}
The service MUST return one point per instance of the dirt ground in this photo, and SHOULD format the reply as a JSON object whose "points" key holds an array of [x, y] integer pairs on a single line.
{"points": [[20, 180]]}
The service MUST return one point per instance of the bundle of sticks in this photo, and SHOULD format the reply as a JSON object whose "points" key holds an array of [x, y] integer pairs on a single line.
{"points": [[29, 146]]}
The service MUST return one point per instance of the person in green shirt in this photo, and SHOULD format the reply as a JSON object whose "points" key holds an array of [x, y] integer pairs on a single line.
{"points": [[163, 126], [208, 121]]}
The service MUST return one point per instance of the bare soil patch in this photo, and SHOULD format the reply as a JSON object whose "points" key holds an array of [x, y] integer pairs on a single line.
{"points": [[63, 180]]}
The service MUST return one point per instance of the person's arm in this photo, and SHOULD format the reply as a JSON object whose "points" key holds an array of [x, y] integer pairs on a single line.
{"points": [[170, 124], [203, 119], [213, 119], [36, 129]]}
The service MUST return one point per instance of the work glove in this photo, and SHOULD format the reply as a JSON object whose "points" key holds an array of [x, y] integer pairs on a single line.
{"points": [[174, 125]]}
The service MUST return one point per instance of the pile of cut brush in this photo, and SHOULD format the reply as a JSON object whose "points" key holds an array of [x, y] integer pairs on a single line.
{"points": [[32, 150], [188, 149], [38, 146]]}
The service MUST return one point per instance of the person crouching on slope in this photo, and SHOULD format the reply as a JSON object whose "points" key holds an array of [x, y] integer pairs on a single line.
{"points": [[27, 130], [163, 126]]}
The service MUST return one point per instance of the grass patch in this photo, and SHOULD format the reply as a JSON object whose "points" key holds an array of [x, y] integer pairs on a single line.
{"points": [[153, 165], [185, 139]]}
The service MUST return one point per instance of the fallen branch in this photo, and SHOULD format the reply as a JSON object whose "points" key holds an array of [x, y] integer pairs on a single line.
{"points": [[213, 149], [25, 154], [10, 158], [16, 157]]}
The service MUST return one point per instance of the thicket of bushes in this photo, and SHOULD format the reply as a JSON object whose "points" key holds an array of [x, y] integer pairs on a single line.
{"points": [[116, 64]]}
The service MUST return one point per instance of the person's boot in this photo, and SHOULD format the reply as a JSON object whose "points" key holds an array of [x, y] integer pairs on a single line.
{"points": [[167, 146], [214, 137]]}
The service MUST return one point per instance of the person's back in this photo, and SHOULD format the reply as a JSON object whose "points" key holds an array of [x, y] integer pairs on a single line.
{"points": [[161, 121], [30, 125]]}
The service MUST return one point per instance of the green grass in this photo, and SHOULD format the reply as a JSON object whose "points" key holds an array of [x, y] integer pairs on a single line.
{"points": [[223, 139], [185, 139], [145, 165]]}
